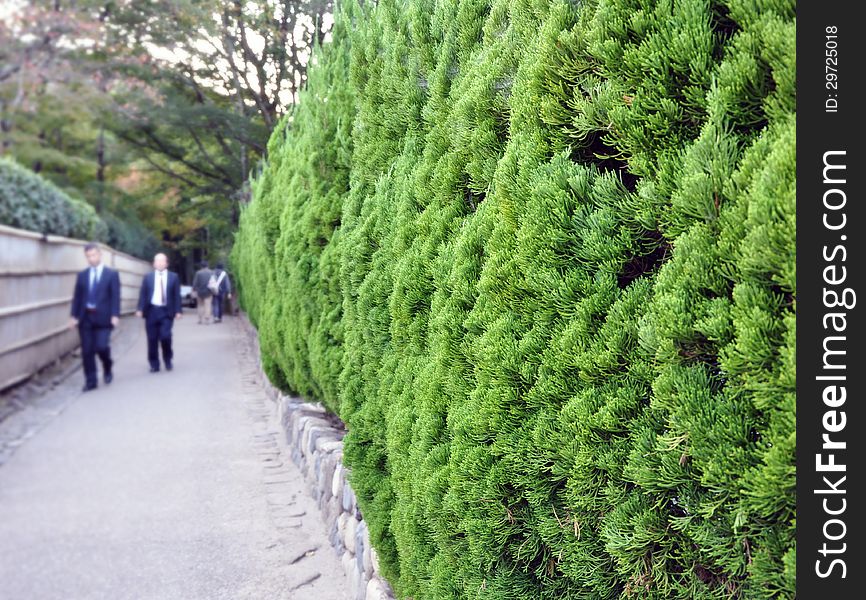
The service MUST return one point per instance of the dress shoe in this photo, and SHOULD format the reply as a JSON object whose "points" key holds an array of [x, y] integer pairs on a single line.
{"points": [[168, 366], [108, 377], [88, 386], [154, 369]]}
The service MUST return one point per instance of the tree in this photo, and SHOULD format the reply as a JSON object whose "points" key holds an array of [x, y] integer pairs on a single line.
{"points": [[218, 83], [182, 95], [53, 104]]}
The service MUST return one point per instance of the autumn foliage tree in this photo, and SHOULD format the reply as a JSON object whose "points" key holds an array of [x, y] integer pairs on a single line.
{"points": [[180, 96]]}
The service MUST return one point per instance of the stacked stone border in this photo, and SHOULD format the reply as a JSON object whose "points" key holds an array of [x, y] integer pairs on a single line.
{"points": [[314, 438]]}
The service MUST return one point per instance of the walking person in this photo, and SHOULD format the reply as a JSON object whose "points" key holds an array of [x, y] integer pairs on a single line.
{"points": [[223, 286], [95, 311], [203, 293], [160, 305]]}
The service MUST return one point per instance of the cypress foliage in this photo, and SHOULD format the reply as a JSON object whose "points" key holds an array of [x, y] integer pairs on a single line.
{"points": [[539, 256], [287, 236]]}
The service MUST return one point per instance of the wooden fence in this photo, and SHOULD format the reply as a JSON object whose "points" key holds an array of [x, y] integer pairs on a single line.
{"points": [[37, 276]]}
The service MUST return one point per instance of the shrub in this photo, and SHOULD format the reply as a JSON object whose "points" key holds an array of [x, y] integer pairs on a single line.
{"points": [[128, 234], [561, 333], [29, 201], [284, 254]]}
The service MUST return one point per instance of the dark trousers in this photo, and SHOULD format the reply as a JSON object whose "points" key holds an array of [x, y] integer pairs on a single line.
{"points": [[158, 326], [94, 340], [217, 306]]}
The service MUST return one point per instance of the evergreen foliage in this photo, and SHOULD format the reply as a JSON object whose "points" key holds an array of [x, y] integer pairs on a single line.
{"points": [[539, 257], [29, 201]]}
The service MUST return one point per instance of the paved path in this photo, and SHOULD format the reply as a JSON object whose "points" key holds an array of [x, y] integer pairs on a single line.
{"points": [[163, 486]]}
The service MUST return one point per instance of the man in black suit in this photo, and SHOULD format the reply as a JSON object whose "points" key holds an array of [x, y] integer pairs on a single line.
{"points": [[95, 311], [159, 303]]}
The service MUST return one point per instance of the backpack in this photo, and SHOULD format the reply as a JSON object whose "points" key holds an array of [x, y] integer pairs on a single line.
{"points": [[213, 284]]}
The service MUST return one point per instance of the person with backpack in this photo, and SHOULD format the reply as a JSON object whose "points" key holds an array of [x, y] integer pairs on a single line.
{"points": [[221, 288], [201, 288]]}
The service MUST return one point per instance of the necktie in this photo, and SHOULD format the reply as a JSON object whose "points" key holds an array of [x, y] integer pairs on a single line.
{"points": [[91, 293], [161, 290]]}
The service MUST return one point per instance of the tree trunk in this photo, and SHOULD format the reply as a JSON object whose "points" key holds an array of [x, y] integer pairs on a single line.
{"points": [[100, 155]]}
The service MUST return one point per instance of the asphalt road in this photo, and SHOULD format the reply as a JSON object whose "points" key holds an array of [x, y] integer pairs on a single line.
{"points": [[163, 486]]}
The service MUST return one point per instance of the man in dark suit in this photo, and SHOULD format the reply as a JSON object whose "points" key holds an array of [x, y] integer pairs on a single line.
{"points": [[95, 311], [159, 303]]}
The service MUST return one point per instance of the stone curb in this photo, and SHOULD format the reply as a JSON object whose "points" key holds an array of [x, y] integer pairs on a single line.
{"points": [[316, 447]]}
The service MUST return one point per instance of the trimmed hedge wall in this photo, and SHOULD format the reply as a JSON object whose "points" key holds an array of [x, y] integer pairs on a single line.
{"points": [[29, 201], [539, 257]]}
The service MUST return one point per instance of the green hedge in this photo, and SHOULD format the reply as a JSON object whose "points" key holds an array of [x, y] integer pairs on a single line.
{"points": [[29, 201], [539, 256]]}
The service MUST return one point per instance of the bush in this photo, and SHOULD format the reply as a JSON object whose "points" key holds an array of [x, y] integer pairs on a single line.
{"points": [[128, 234], [562, 329], [284, 254], [29, 201]]}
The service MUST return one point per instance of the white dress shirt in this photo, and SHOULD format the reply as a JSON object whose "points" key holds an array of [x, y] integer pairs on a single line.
{"points": [[156, 300]]}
